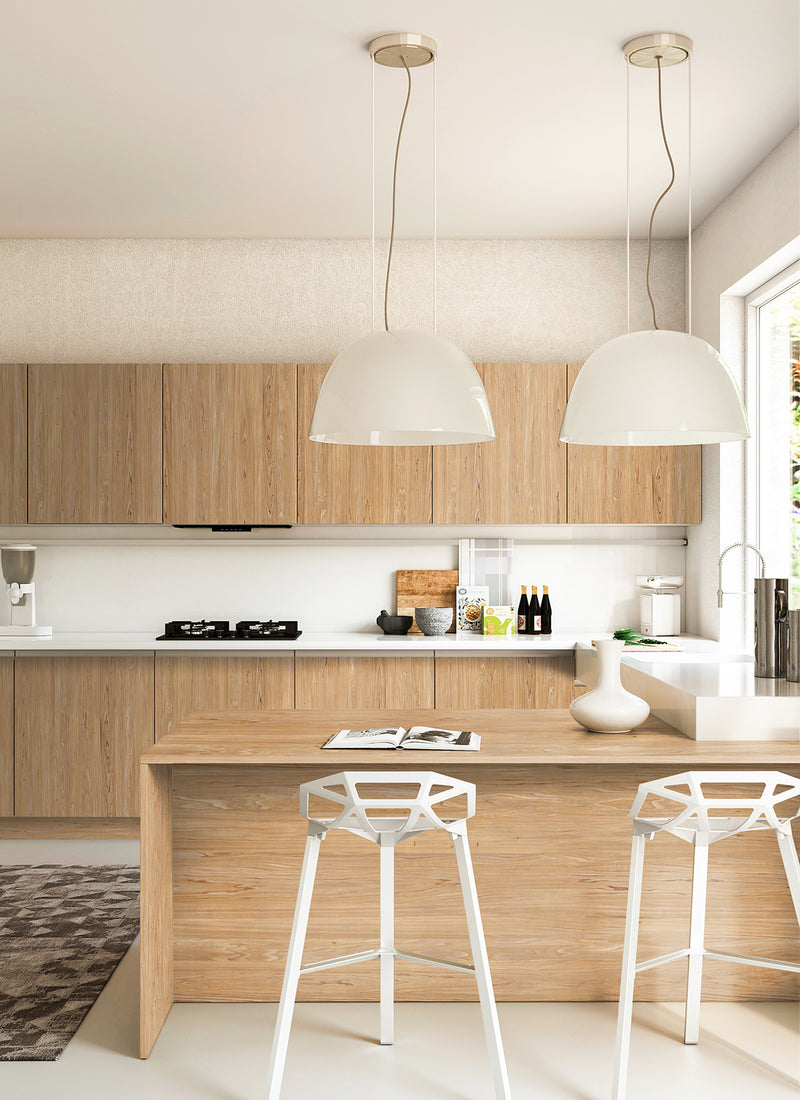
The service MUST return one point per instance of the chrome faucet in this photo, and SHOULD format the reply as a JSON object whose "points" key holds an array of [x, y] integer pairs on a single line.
{"points": [[730, 592]]}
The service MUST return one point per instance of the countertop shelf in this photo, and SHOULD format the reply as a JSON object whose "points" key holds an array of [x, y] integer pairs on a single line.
{"points": [[510, 737]]}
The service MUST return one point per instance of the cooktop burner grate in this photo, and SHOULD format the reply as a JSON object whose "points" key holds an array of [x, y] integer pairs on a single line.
{"points": [[219, 630]]}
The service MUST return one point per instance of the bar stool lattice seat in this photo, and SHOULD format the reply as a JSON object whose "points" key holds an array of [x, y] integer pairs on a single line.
{"points": [[703, 819], [386, 822]]}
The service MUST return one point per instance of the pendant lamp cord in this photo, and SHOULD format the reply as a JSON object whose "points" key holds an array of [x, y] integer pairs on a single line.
{"points": [[394, 198], [666, 190]]}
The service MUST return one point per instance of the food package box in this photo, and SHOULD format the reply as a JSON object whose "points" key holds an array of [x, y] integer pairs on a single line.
{"points": [[498, 620], [470, 602]]}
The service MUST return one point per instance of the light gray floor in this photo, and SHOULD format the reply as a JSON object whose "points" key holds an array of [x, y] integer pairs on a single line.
{"points": [[555, 1052]]}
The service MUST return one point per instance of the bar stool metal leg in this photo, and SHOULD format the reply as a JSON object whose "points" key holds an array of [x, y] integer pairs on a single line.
{"points": [[283, 1024], [691, 1029], [625, 1013], [791, 864], [387, 944], [480, 959]]}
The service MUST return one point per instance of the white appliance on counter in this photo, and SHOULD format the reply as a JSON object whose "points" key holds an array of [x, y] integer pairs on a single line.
{"points": [[18, 565], [659, 606]]}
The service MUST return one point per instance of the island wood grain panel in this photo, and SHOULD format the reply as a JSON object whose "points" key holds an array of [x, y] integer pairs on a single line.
{"points": [[13, 443], [520, 477], [156, 968], [325, 681], [69, 828], [356, 484], [94, 443], [185, 684], [6, 736], [499, 681], [633, 484], [551, 847], [229, 443], [81, 725]]}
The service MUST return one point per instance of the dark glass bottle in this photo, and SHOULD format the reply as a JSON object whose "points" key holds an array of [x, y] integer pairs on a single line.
{"points": [[522, 612], [534, 613], [547, 612]]}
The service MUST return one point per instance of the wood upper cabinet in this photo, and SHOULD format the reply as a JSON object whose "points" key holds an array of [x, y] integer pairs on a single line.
{"points": [[230, 443], [521, 477], [633, 484], [6, 736], [13, 443], [81, 725], [94, 443], [331, 681], [197, 682], [343, 484]]}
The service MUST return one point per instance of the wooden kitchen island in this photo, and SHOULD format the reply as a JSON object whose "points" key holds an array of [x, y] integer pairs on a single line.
{"points": [[222, 845]]}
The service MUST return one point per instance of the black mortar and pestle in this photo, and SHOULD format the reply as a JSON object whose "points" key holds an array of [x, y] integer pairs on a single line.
{"points": [[394, 624]]}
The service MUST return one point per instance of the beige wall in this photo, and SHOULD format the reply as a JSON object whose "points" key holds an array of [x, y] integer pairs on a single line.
{"points": [[256, 301], [756, 227]]}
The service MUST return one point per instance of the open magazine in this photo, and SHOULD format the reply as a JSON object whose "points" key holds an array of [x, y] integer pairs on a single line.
{"points": [[395, 737]]}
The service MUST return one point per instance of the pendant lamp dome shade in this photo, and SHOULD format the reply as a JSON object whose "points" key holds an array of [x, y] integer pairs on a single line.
{"points": [[653, 388], [403, 388]]}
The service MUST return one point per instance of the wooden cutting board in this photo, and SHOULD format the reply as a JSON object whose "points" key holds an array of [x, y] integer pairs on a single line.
{"points": [[426, 588]]}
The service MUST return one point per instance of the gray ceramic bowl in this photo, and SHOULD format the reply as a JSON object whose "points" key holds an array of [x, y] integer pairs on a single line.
{"points": [[434, 620]]}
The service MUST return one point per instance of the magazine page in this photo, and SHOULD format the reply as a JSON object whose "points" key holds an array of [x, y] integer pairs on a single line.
{"points": [[427, 737], [380, 737]]}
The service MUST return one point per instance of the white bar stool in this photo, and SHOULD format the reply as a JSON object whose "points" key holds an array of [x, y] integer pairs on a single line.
{"points": [[700, 795], [408, 817]]}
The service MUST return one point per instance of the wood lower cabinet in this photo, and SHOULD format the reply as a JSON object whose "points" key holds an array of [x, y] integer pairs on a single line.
{"points": [[14, 443], [520, 477], [6, 736], [338, 484], [94, 443], [633, 484], [230, 443], [331, 681], [192, 683], [513, 681], [81, 725]]}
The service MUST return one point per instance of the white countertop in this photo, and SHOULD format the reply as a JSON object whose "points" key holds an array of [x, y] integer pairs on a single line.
{"points": [[708, 695], [351, 642]]}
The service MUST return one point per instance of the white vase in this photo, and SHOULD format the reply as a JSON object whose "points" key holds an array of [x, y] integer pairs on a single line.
{"points": [[609, 708]]}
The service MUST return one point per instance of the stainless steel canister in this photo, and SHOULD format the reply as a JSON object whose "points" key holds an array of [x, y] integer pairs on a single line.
{"points": [[771, 600], [793, 647]]}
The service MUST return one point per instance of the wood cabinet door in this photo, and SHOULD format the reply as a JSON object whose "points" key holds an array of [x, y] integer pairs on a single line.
{"points": [[342, 484], [185, 684], [6, 736], [520, 477], [229, 443], [81, 725], [633, 484], [94, 443], [527, 682], [13, 443], [325, 681]]}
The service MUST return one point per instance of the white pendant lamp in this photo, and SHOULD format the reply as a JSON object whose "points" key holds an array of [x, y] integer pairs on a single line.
{"points": [[657, 387], [401, 388]]}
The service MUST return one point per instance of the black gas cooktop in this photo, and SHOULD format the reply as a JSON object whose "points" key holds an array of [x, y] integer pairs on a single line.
{"points": [[219, 630]]}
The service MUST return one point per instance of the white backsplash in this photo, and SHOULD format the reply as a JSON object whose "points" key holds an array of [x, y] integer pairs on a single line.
{"points": [[133, 585]]}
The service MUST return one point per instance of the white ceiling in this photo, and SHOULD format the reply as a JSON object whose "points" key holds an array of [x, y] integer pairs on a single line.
{"points": [[249, 118]]}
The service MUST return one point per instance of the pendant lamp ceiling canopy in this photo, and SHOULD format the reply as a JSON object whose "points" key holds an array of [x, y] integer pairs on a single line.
{"points": [[401, 388], [656, 387]]}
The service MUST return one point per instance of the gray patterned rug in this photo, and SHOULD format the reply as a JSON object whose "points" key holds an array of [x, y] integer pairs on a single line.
{"points": [[63, 930]]}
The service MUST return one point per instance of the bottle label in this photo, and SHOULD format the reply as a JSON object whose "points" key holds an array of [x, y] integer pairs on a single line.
{"points": [[537, 622], [522, 625]]}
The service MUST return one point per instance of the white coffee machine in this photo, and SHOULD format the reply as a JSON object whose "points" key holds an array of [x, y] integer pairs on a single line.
{"points": [[660, 606], [18, 563]]}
